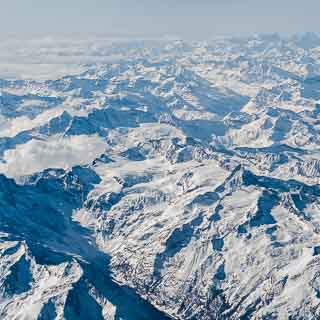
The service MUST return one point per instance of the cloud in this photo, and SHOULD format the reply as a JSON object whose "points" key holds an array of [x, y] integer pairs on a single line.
{"points": [[35, 156]]}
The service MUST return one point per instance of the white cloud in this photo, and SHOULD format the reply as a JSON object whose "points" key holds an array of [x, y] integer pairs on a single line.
{"points": [[36, 155]]}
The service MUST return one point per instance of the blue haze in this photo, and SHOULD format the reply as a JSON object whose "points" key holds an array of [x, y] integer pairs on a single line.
{"points": [[148, 18]]}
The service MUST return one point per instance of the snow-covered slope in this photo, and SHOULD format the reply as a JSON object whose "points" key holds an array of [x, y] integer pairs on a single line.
{"points": [[161, 179]]}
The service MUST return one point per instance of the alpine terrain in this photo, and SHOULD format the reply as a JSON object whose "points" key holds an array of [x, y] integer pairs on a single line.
{"points": [[160, 179]]}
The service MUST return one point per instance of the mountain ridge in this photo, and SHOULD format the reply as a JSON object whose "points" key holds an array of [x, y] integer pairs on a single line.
{"points": [[172, 180]]}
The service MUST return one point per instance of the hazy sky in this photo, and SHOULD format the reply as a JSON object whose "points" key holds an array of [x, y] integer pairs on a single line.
{"points": [[184, 18]]}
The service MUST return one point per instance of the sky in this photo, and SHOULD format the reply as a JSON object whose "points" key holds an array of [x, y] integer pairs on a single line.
{"points": [[153, 18]]}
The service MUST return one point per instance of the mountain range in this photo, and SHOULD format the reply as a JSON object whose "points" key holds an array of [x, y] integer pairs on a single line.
{"points": [[161, 179]]}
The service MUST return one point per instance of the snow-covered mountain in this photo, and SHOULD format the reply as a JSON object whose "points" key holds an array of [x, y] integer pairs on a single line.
{"points": [[160, 179]]}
